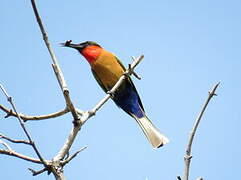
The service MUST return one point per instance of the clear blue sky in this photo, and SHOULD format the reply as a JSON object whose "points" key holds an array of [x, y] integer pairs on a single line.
{"points": [[188, 46]]}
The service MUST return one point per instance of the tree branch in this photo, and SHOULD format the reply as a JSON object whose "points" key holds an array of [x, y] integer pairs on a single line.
{"points": [[35, 118], [10, 100], [65, 91], [66, 161], [21, 156], [57, 169], [35, 173], [188, 156], [6, 145], [55, 65], [14, 140]]}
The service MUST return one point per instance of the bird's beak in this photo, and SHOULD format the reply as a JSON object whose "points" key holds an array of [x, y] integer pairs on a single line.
{"points": [[75, 46]]}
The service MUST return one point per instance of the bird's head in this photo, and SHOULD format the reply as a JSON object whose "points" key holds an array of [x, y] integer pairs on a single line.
{"points": [[89, 49]]}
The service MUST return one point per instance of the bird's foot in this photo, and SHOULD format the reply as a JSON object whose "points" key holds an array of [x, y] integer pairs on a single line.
{"points": [[112, 94], [130, 72]]}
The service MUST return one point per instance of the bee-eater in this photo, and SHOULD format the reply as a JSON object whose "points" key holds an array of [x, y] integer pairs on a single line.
{"points": [[107, 69]]}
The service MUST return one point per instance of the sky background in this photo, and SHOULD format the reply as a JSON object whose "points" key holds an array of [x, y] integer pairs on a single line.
{"points": [[188, 46]]}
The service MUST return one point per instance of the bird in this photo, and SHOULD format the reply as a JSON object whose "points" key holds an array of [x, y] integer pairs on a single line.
{"points": [[107, 69]]}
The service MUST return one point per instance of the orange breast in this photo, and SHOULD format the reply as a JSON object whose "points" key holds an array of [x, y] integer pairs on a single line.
{"points": [[107, 69]]}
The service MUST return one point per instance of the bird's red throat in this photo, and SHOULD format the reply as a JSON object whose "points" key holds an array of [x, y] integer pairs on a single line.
{"points": [[91, 53]]}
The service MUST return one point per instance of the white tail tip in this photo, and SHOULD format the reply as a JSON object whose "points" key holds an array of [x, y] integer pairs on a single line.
{"points": [[154, 136]]}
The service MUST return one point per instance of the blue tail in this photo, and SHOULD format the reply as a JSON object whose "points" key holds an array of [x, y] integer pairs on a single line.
{"points": [[129, 100]]}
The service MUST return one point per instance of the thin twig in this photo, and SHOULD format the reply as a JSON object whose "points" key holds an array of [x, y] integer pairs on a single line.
{"points": [[67, 145], [55, 65], [14, 140], [10, 100], [58, 172], [35, 118], [35, 173], [21, 156], [188, 156], [73, 156], [4, 91], [65, 91], [6, 145]]}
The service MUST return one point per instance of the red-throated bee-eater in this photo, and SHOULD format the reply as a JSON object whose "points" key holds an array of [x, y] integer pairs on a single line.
{"points": [[107, 69]]}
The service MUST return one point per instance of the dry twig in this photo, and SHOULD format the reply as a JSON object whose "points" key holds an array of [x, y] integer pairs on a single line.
{"points": [[33, 118], [188, 156], [31, 142], [14, 140], [21, 156]]}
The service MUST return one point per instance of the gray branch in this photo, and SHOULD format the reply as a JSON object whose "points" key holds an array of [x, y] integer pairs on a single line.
{"points": [[21, 156], [55, 65], [35, 118], [21, 122], [14, 140], [188, 156], [67, 160], [5, 145], [35, 173]]}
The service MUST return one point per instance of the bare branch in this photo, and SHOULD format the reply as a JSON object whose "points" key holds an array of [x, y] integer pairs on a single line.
{"points": [[37, 118], [21, 156], [66, 147], [188, 156], [58, 172], [55, 65], [6, 145], [47, 116], [73, 156], [10, 100], [14, 140], [4, 91], [35, 173], [65, 91]]}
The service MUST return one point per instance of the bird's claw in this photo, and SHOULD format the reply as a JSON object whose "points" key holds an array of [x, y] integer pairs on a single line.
{"points": [[111, 93], [130, 72]]}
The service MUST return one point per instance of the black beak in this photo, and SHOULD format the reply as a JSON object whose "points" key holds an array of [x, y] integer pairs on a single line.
{"points": [[68, 43]]}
